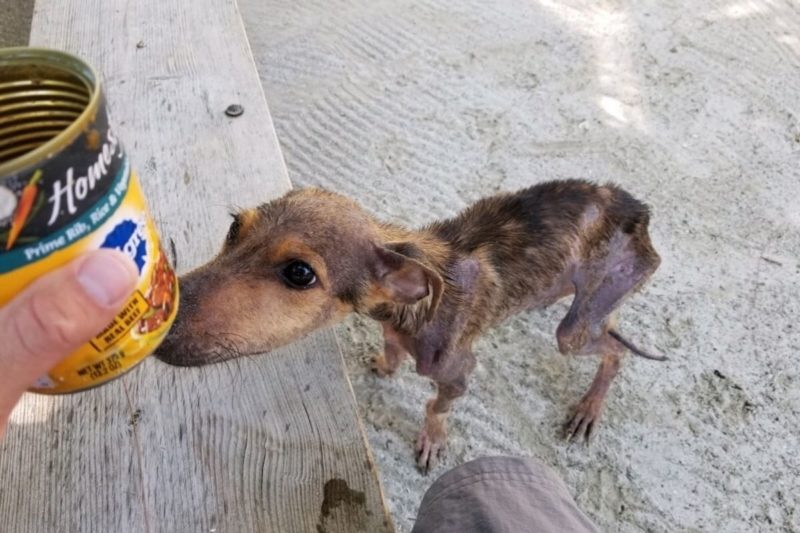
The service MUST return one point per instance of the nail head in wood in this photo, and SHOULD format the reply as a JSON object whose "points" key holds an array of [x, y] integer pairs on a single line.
{"points": [[234, 110]]}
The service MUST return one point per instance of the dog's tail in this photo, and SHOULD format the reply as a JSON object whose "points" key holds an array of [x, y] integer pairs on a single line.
{"points": [[635, 349]]}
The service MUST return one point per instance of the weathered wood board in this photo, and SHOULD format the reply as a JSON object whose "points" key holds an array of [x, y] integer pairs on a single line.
{"points": [[271, 443]]}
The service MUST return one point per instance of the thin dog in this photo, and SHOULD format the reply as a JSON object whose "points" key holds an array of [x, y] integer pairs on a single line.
{"points": [[306, 260]]}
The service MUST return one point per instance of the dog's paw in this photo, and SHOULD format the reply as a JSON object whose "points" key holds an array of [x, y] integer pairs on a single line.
{"points": [[584, 419], [431, 446], [380, 367]]}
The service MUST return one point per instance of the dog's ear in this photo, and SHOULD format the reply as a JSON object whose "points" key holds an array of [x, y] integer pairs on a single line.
{"points": [[405, 280]]}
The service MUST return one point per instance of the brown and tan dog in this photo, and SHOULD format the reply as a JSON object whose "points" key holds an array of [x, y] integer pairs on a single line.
{"points": [[308, 259]]}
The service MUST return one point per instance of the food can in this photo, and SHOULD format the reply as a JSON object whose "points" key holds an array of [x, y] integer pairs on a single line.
{"points": [[66, 188]]}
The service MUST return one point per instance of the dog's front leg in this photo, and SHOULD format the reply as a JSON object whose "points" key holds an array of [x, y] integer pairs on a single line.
{"points": [[394, 352], [451, 383]]}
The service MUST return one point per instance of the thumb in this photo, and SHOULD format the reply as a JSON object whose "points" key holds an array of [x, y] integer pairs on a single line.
{"points": [[58, 313]]}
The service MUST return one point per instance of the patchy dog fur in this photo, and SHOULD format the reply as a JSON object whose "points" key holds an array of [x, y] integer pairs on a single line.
{"points": [[434, 289]]}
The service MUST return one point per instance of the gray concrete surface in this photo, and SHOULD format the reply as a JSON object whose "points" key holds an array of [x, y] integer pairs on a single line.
{"points": [[15, 22], [417, 108]]}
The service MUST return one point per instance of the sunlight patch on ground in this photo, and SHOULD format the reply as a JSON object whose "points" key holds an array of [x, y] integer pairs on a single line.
{"points": [[744, 9], [612, 34]]}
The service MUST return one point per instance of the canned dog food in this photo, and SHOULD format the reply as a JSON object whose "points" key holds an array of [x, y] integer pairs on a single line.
{"points": [[67, 187]]}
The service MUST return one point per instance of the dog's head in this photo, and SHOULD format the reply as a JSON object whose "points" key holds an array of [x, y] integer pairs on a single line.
{"points": [[286, 268]]}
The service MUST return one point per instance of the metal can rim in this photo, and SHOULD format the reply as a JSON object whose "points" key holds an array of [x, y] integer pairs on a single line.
{"points": [[65, 61]]}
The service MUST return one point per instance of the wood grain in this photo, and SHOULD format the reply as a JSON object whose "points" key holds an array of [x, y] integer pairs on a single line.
{"points": [[270, 443]]}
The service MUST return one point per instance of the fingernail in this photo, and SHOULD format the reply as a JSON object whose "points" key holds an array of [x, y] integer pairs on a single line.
{"points": [[107, 277]]}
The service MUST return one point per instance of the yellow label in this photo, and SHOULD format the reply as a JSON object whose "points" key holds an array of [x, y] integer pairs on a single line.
{"points": [[132, 313], [118, 220]]}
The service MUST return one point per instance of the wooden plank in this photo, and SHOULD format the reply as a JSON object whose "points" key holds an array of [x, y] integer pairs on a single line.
{"points": [[271, 443]]}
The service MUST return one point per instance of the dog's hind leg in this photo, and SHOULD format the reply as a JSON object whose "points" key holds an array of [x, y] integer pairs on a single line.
{"points": [[601, 284]]}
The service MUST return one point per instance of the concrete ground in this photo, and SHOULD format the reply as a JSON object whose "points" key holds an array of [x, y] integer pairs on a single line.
{"points": [[418, 108]]}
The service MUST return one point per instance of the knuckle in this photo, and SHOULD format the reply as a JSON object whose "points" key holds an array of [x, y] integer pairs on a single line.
{"points": [[20, 331], [50, 328]]}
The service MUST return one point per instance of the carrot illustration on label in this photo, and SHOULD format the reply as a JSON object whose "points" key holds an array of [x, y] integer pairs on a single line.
{"points": [[23, 209]]}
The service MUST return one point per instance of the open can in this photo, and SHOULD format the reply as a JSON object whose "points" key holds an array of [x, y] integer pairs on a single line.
{"points": [[67, 187]]}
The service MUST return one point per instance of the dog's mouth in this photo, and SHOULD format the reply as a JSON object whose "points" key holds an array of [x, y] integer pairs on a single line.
{"points": [[201, 352]]}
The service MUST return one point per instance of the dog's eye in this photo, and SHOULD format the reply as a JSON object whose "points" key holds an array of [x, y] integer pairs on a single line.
{"points": [[233, 231], [299, 275]]}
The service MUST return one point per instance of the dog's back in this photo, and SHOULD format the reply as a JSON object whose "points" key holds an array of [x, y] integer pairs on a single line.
{"points": [[530, 240]]}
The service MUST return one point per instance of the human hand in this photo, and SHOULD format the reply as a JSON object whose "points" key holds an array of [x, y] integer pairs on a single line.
{"points": [[55, 315]]}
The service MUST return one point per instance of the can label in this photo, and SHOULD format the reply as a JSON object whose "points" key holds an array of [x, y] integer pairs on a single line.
{"points": [[84, 198]]}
